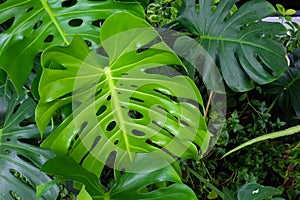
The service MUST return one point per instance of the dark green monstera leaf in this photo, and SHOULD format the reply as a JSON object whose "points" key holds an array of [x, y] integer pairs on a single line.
{"points": [[31, 26], [239, 43], [288, 87], [121, 104], [164, 183], [20, 161]]}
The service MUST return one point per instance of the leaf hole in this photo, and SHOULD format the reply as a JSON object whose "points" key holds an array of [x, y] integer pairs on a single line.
{"points": [[6, 151], [133, 114], [83, 126], [54, 65], [3, 1], [88, 43], [19, 176], [27, 122], [72, 142], [183, 122], [68, 3], [98, 22], [8, 139], [75, 22], [66, 95], [163, 70], [165, 129], [84, 157], [107, 176], [7, 24], [133, 86], [101, 110], [138, 133], [108, 98], [136, 99], [173, 98], [33, 141], [101, 51], [111, 159], [14, 195], [98, 92], [162, 108], [16, 108], [96, 141], [111, 126], [148, 45], [26, 159], [150, 142], [37, 24], [29, 9], [116, 142], [49, 39]]}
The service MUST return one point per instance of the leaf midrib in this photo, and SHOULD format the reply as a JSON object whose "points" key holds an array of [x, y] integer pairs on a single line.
{"points": [[238, 41], [115, 100], [54, 20]]}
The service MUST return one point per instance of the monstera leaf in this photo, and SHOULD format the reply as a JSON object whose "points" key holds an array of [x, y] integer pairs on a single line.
{"points": [[121, 103], [20, 161], [239, 43], [143, 185], [288, 87], [31, 26]]}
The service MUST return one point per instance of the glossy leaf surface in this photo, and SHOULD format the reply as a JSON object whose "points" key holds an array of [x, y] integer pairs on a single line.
{"points": [[20, 161], [141, 185], [32, 25], [123, 103], [239, 43]]}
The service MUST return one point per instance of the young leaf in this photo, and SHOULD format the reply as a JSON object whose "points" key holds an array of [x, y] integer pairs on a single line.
{"points": [[290, 12], [121, 105], [34, 25], [280, 9], [20, 161], [240, 42]]}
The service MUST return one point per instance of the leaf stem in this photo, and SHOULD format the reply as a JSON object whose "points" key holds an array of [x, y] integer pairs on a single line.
{"points": [[208, 104], [54, 20], [208, 184]]}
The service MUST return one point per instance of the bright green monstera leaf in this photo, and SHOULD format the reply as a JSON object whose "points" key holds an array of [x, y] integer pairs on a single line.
{"points": [[163, 184], [239, 43], [121, 104], [20, 161], [31, 26]]}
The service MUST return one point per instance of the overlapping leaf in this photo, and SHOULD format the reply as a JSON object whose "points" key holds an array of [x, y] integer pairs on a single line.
{"points": [[131, 185], [19, 161], [240, 42], [33, 25], [288, 87], [121, 105]]}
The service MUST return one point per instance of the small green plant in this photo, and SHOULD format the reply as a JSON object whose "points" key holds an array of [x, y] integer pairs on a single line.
{"points": [[285, 14]]}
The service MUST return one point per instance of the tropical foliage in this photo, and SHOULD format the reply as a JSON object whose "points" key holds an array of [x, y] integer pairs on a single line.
{"points": [[97, 99]]}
